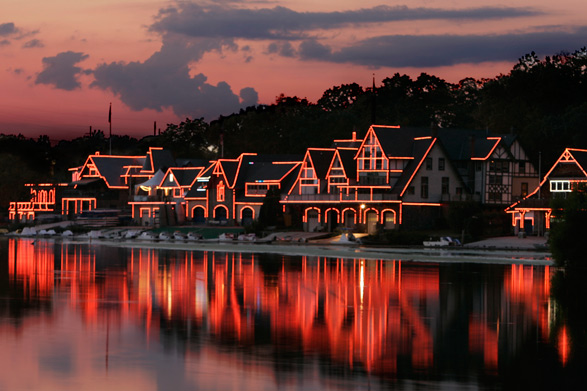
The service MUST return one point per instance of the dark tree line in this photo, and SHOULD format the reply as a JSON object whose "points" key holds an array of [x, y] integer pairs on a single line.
{"points": [[544, 102]]}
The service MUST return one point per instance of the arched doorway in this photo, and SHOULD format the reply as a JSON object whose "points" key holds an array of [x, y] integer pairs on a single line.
{"points": [[349, 218], [388, 219], [220, 213], [332, 219], [247, 216], [371, 220], [312, 219], [198, 215]]}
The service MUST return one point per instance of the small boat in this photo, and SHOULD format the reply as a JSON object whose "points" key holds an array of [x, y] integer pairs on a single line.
{"points": [[247, 237], [147, 235], [193, 236], [444, 241], [177, 235], [226, 237], [28, 231], [132, 233], [164, 236]]}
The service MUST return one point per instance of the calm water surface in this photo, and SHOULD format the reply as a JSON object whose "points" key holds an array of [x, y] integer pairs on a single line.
{"points": [[80, 316]]}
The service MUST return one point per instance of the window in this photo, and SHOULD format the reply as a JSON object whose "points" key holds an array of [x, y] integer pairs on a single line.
{"points": [[424, 187], [445, 185], [560, 186], [524, 191], [441, 164], [495, 180], [522, 167], [428, 164], [220, 192], [499, 166], [494, 196]]}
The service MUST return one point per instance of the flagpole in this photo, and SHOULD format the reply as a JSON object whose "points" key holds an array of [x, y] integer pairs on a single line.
{"points": [[110, 123]]}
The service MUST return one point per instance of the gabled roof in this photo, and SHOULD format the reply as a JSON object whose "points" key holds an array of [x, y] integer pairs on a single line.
{"points": [[393, 140], [347, 158], [182, 176], [154, 181], [419, 150], [265, 168], [321, 160], [578, 157], [158, 158], [112, 168]]}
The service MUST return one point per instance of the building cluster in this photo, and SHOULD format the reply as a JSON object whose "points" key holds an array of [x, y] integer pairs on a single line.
{"points": [[390, 177]]}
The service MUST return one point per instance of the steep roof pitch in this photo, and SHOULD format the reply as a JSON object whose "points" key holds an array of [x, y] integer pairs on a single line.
{"points": [[347, 159], [182, 176], [321, 159], [394, 141], [158, 158], [419, 151], [265, 167], [576, 157], [112, 168]]}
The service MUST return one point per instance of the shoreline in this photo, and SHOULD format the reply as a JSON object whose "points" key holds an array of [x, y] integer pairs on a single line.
{"points": [[479, 253], [460, 255]]}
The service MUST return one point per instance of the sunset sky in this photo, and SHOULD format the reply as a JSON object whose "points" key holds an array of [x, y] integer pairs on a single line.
{"points": [[63, 61]]}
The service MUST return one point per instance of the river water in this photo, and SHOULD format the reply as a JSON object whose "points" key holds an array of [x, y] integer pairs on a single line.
{"points": [[79, 316]]}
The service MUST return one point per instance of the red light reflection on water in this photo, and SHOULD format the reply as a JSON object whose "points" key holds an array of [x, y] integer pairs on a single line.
{"points": [[358, 313]]}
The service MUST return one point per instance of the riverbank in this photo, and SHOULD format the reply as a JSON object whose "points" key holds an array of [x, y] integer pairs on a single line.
{"points": [[501, 250], [507, 255]]}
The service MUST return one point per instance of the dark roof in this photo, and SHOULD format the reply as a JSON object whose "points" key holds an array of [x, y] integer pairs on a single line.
{"points": [[580, 157], [158, 159], [230, 168], [191, 163], [321, 160], [418, 151], [183, 176], [112, 167], [265, 167], [348, 161], [395, 141]]}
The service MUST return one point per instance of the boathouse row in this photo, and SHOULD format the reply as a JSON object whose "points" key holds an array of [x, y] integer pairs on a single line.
{"points": [[390, 177], [533, 213]]}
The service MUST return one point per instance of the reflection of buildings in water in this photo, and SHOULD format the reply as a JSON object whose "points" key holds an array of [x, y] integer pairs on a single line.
{"points": [[373, 315]]}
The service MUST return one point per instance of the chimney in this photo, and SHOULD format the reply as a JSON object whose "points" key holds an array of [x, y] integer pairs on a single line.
{"points": [[354, 136]]}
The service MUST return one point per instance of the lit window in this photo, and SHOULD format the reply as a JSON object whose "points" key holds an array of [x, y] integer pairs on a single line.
{"points": [[220, 192], [560, 186]]}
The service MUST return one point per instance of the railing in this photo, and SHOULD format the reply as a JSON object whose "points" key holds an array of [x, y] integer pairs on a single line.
{"points": [[146, 198], [343, 197]]}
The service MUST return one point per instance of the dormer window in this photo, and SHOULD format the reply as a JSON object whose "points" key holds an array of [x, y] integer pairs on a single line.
{"points": [[557, 186]]}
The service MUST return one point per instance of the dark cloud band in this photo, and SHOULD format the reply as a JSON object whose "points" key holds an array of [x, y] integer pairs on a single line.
{"points": [[193, 20]]}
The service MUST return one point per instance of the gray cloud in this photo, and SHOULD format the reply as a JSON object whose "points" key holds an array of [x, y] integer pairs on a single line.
{"points": [[249, 97], [7, 29], [33, 43], [4, 42], [164, 80], [445, 50], [193, 20], [284, 49], [60, 70]]}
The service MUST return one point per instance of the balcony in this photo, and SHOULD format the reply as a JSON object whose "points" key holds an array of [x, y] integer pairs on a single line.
{"points": [[342, 197]]}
